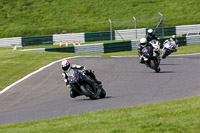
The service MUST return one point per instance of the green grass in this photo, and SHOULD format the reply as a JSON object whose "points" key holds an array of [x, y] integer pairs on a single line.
{"points": [[178, 116], [45, 17]]}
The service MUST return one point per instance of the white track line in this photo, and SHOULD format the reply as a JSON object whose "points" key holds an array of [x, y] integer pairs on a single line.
{"points": [[42, 68]]}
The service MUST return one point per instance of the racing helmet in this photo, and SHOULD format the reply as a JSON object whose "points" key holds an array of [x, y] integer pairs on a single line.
{"points": [[65, 65], [173, 37], [150, 32], [143, 41]]}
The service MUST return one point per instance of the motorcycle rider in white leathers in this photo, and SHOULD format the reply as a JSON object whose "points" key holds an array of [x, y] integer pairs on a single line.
{"points": [[173, 42]]}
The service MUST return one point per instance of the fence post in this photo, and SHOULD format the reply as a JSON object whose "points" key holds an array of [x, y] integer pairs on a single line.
{"points": [[110, 29], [135, 27], [161, 22]]}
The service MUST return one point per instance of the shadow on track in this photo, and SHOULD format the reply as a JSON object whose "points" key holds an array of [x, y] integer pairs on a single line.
{"points": [[167, 72], [169, 64], [88, 99]]}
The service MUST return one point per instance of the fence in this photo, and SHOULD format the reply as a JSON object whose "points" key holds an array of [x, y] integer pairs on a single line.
{"points": [[127, 34]]}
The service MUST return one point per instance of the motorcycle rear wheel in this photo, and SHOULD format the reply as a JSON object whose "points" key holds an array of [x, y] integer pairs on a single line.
{"points": [[88, 91]]}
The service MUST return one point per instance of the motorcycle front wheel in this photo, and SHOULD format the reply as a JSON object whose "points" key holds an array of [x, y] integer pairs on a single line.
{"points": [[166, 52], [154, 65], [103, 93]]}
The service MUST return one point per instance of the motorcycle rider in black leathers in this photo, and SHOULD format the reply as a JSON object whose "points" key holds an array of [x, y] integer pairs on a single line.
{"points": [[66, 66], [151, 36]]}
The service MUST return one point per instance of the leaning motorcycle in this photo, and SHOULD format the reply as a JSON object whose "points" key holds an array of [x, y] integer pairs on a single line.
{"points": [[151, 55], [85, 85], [168, 49]]}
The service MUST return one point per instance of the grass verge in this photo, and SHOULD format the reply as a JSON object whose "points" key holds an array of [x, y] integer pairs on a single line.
{"points": [[171, 116]]}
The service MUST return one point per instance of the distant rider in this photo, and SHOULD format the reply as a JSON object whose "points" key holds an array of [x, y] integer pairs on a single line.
{"points": [[173, 41], [66, 66], [150, 36]]}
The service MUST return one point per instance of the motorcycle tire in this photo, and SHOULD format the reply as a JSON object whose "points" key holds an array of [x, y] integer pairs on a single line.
{"points": [[154, 65], [164, 54], [88, 91], [158, 70], [103, 93]]}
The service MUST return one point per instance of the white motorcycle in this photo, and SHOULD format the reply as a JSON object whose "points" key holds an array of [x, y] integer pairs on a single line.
{"points": [[168, 48]]}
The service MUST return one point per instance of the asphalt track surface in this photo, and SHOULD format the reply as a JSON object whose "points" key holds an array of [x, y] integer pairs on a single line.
{"points": [[126, 81]]}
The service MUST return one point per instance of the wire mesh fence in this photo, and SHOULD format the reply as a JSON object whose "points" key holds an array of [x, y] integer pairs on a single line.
{"points": [[148, 21]]}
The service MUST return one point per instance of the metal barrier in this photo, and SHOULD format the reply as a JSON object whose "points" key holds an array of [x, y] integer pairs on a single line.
{"points": [[192, 40], [10, 42], [90, 48]]}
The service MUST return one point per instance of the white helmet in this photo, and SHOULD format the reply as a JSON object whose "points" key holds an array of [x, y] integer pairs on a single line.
{"points": [[150, 32], [65, 65], [173, 37], [143, 41]]}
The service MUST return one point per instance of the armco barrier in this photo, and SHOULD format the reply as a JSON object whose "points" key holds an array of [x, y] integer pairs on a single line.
{"points": [[90, 48], [98, 36], [192, 40], [37, 40], [62, 49], [113, 46], [117, 46], [69, 37], [134, 44], [184, 29], [8, 42]]}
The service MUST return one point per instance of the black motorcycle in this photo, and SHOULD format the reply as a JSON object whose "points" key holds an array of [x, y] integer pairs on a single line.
{"points": [[84, 85], [150, 54]]}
